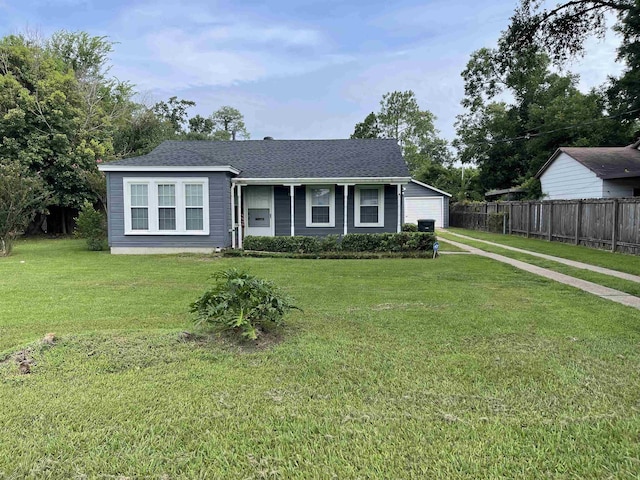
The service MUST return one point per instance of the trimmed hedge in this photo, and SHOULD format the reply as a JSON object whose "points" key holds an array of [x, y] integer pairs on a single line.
{"points": [[353, 242]]}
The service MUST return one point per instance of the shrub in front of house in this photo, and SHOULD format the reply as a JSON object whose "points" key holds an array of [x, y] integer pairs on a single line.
{"points": [[409, 227], [388, 242], [242, 304], [283, 244], [92, 226], [352, 242]]}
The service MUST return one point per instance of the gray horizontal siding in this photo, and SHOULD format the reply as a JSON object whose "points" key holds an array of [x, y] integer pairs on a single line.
{"points": [[445, 213], [412, 189], [219, 213], [282, 208]]}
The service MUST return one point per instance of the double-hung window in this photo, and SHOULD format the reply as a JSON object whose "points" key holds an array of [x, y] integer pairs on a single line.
{"points": [[369, 206], [321, 203], [166, 206], [139, 210]]}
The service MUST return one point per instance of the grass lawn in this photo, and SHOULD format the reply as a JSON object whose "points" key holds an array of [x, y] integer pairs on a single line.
{"points": [[602, 258], [627, 286], [459, 367]]}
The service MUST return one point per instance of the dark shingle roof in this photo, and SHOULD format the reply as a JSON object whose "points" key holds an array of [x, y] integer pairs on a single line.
{"points": [[605, 162], [283, 158]]}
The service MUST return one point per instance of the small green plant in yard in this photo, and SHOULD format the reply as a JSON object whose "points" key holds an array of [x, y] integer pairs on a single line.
{"points": [[91, 225], [241, 303], [409, 227]]}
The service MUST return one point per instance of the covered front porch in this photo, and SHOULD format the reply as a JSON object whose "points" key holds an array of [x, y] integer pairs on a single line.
{"points": [[314, 207]]}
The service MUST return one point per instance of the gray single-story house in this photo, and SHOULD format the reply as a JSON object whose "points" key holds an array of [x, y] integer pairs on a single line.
{"points": [[199, 196], [422, 201], [591, 172]]}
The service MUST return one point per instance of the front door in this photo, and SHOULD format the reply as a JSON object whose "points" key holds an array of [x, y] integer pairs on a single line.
{"points": [[258, 210]]}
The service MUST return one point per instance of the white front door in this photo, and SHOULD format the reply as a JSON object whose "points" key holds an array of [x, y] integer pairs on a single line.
{"points": [[258, 210]]}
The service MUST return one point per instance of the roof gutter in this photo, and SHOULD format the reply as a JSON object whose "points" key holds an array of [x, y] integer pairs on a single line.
{"points": [[137, 168], [322, 180]]}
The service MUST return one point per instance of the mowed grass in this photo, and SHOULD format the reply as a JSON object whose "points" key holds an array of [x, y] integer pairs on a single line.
{"points": [[602, 258], [616, 283], [459, 367]]}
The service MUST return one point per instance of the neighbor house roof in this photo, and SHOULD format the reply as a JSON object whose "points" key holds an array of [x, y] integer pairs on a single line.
{"points": [[605, 162], [269, 159]]}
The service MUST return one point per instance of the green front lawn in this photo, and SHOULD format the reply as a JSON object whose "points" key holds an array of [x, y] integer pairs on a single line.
{"points": [[459, 367], [602, 258]]}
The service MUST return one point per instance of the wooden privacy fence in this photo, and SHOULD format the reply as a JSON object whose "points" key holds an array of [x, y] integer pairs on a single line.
{"points": [[612, 224]]}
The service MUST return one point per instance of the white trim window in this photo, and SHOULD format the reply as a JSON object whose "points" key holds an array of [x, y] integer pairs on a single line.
{"points": [[369, 206], [321, 205], [166, 206]]}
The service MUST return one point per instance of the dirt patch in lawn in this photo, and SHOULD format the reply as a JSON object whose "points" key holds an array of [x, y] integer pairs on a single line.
{"points": [[266, 339], [22, 359]]}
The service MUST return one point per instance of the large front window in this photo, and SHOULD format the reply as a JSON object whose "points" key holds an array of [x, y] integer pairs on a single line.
{"points": [[369, 206], [166, 206], [320, 206]]}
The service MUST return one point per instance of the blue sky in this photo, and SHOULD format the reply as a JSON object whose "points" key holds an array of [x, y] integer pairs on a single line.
{"points": [[297, 68]]}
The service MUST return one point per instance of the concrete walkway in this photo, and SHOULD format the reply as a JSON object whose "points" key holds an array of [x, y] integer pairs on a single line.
{"points": [[564, 261], [594, 288]]}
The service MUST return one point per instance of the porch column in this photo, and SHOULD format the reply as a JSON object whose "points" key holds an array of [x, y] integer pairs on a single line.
{"points": [[345, 197], [240, 216], [399, 227], [292, 197], [233, 216]]}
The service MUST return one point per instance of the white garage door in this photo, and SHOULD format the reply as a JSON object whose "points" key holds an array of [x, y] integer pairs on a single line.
{"points": [[418, 208]]}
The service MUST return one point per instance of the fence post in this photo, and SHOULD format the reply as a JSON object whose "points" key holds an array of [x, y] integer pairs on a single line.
{"points": [[510, 217], [614, 233], [578, 214], [550, 220], [486, 214], [528, 218]]}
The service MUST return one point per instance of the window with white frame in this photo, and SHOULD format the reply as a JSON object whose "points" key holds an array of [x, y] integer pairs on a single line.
{"points": [[166, 206], [369, 206], [321, 202]]}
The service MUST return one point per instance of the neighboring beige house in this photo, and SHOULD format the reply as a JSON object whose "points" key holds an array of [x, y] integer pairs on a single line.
{"points": [[591, 172]]}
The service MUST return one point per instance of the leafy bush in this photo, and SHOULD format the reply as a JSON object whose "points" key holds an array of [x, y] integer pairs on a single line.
{"points": [[283, 244], [388, 242], [496, 222], [353, 242], [91, 224], [241, 303], [409, 227]]}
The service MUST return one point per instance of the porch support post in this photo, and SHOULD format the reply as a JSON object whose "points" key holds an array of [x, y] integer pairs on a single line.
{"points": [[292, 197], [345, 198], [399, 226], [233, 216], [240, 216]]}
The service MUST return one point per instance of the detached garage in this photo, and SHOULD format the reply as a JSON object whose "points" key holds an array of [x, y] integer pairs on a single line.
{"points": [[422, 201]]}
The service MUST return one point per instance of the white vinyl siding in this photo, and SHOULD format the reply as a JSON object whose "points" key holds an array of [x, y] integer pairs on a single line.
{"points": [[566, 179], [369, 206], [321, 206], [166, 206]]}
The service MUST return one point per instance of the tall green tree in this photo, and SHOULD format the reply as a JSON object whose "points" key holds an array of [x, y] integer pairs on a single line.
{"points": [[401, 117], [510, 141], [368, 128], [174, 111], [561, 31], [228, 124], [22, 196], [55, 121]]}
